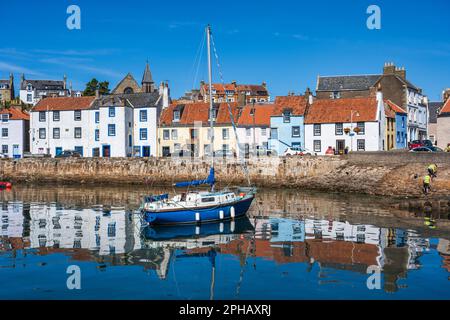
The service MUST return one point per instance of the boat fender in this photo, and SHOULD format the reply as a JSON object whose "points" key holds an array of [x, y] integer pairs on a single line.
{"points": [[242, 194], [221, 214], [232, 213], [197, 230], [197, 216], [221, 227], [232, 226]]}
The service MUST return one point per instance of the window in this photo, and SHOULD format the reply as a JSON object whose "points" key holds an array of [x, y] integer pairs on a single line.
{"points": [[361, 144], [274, 133], [176, 115], [317, 146], [5, 133], [77, 133], [112, 112], [317, 130], [176, 147], [56, 133], [287, 117], [248, 132], [143, 134], [361, 127], [174, 134], [194, 134], [97, 135], [42, 133], [97, 116], [166, 134], [295, 131], [339, 129], [208, 134], [335, 95], [79, 149], [5, 149], [29, 97], [214, 115], [225, 148], [263, 132], [42, 116], [77, 115], [56, 116], [143, 115], [225, 134], [5, 117], [29, 87], [111, 130], [403, 122]]}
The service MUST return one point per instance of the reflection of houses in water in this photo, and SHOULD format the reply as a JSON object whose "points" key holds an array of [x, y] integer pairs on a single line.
{"points": [[58, 227]]}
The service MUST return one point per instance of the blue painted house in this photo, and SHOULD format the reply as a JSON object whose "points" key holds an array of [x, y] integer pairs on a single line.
{"points": [[401, 122], [287, 125]]}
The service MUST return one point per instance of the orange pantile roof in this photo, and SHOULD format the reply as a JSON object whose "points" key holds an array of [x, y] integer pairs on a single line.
{"points": [[340, 110], [221, 88], [16, 114], [446, 107], [193, 112], [64, 103], [297, 104], [389, 112], [262, 115], [395, 107]]}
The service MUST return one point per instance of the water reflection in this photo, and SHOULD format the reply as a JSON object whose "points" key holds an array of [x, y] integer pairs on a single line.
{"points": [[331, 249]]}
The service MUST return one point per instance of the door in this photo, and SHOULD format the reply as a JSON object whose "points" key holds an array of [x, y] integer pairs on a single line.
{"points": [[96, 152], [106, 151], [146, 151], [165, 151], [58, 151], [340, 146], [16, 151], [79, 150]]}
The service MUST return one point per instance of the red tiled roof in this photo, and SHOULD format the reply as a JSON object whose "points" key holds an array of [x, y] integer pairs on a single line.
{"points": [[16, 114], [395, 107], [64, 103], [340, 110], [193, 112], [262, 115], [298, 105], [389, 112], [446, 107]]}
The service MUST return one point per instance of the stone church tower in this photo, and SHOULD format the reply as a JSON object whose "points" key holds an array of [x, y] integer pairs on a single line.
{"points": [[148, 85]]}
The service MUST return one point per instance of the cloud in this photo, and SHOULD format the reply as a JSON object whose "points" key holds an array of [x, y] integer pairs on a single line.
{"points": [[70, 52], [80, 64], [9, 67]]}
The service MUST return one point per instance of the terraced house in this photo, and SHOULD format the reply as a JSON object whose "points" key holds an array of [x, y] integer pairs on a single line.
{"points": [[355, 124], [186, 128], [7, 89], [234, 92], [32, 91], [287, 122], [14, 127]]}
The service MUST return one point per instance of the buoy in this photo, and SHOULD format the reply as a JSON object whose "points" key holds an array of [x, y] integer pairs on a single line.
{"points": [[221, 214], [232, 213]]}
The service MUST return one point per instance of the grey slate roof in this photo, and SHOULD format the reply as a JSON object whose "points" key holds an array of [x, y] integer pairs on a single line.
{"points": [[433, 110], [137, 100], [43, 84], [147, 77], [340, 83]]}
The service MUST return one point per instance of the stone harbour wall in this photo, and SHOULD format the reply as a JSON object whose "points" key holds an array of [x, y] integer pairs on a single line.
{"points": [[381, 173]]}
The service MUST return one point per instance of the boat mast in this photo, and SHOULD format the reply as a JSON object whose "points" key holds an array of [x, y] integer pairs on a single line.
{"points": [[211, 124]]}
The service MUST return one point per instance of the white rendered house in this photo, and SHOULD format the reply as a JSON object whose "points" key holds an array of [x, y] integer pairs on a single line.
{"points": [[333, 122], [14, 127]]}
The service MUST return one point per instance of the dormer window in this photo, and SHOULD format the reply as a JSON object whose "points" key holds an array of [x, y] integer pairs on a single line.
{"points": [[176, 115], [336, 95], [5, 117], [287, 116]]}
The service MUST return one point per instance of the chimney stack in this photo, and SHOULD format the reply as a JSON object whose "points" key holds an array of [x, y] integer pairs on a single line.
{"points": [[97, 93], [389, 68], [401, 72]]}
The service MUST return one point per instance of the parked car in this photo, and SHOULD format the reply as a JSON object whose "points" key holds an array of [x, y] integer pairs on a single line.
{"points": [[68, 154], [36, 155], [3, 156], [427, 149], [419, 143], [225, 154], [298, 151]]}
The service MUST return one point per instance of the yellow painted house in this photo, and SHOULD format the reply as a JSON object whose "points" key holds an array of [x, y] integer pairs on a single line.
{"points": [[390, 129], [185, 128]]}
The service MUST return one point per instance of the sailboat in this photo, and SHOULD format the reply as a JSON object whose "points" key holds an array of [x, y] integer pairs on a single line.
{"points": [[199, 206]]}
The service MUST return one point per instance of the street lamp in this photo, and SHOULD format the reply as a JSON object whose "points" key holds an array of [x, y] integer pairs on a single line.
{"points": [[356, 113]]}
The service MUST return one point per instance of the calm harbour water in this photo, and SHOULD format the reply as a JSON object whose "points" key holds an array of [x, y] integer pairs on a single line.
{"points": [[294, 245]]}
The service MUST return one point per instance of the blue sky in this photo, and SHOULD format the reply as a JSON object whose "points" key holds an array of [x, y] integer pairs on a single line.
{"points": [[285, 43]]}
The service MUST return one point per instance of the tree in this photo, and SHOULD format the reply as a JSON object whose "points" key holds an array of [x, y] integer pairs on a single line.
{"points": [[94, 85]]}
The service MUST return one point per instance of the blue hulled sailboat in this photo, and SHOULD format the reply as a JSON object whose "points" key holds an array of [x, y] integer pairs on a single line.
{"points": [[199, 206]]}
